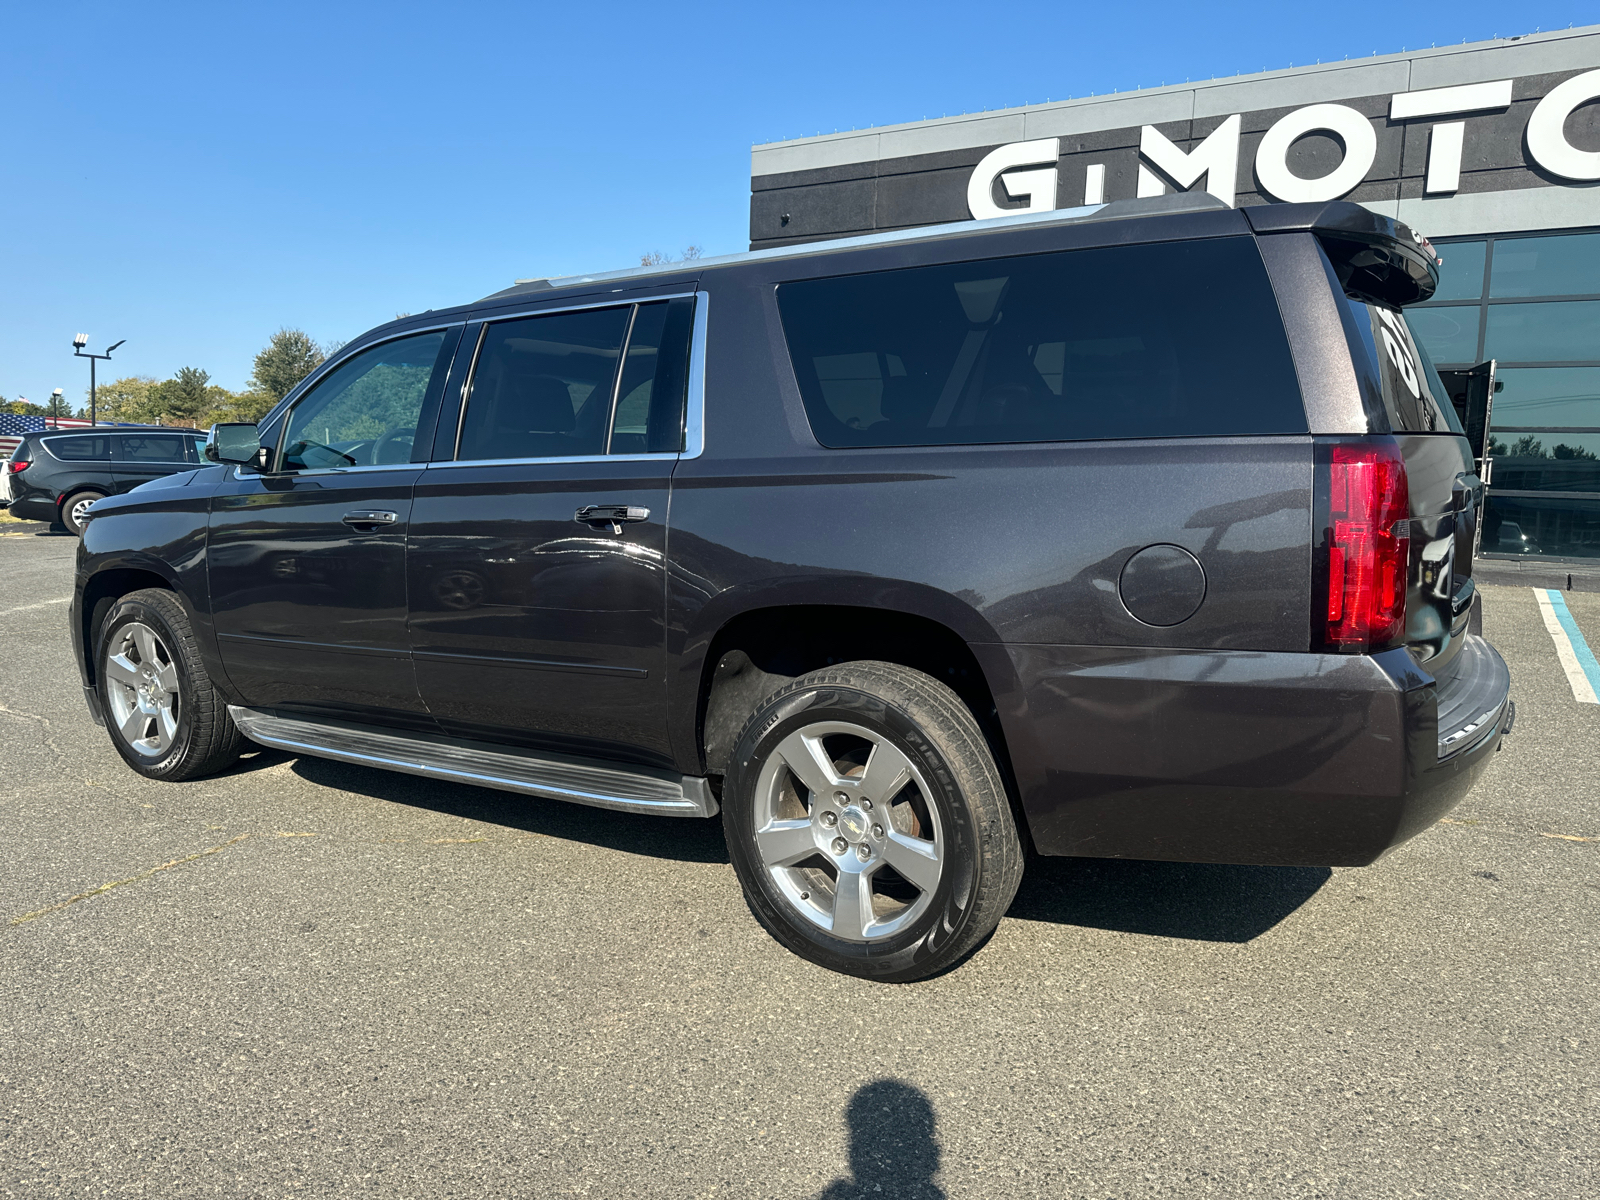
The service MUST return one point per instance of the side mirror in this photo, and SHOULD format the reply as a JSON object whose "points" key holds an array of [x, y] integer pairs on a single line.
{"points": [[234, 443]]}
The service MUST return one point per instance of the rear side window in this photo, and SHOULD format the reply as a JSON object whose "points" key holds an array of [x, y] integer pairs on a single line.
{"points": [[1180, 339], [81, 449], [580, 384], [1413, 394], [156, 447]]}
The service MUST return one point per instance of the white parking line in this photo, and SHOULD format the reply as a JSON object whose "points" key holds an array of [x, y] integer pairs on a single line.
{"points": [[1577, 660], [30, 607]]}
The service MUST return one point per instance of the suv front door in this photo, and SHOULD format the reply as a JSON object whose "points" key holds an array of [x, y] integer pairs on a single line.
{"points": [[307, 559], [538, 536]]}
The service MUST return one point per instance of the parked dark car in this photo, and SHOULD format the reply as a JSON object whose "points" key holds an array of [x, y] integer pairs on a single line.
{"points": [[55, 475], [1138, 531]]}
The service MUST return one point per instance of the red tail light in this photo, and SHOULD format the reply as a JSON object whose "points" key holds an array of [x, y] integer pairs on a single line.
{"points": [[1369, 546], [17, 468]]}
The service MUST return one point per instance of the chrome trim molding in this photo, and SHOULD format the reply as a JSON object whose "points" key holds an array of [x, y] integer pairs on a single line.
{"points": [[520, 462], [694, 421], [552, 776]]}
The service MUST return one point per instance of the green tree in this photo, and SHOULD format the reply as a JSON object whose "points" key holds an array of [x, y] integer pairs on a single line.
{"points": [[57, 406], [181, 399], [1565, 451], [288, 358], [125, 399], [22, 408], [1527, 446]]}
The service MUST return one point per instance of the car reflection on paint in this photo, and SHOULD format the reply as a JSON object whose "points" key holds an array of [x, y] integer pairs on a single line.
{"points": [[563, 574]]}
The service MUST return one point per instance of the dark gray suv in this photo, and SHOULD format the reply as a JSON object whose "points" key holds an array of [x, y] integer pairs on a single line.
{"points": [[1136, 531]]}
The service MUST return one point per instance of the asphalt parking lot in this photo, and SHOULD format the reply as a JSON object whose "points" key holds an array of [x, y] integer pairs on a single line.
{"points": [[304, 978]]}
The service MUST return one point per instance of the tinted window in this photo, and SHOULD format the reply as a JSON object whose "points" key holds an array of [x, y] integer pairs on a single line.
{"points": [[153, 447], [542, 387], [364, 412], [1461, 271], [1543, 332], [196, 450], [1174, 340], [1413, 394], [1546, 397], [1450, 334], [1567, 265], [649, 416], [81, 449]]}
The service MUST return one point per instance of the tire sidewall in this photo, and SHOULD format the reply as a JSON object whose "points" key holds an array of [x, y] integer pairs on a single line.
{"points": [[70, 503], [944, 922], [123, 613]]}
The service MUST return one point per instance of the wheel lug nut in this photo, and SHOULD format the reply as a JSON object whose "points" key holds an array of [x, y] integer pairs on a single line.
{"points": [[863, 852], [866, 804], [840, 798], [840, 845], [877, 831], [830, 819]]}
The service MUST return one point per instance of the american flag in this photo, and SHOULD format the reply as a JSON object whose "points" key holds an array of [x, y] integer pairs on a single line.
{"points": [[12, 427]]}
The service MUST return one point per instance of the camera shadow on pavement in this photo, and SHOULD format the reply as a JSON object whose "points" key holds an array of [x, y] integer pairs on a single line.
{"points": [[894, 1145]]}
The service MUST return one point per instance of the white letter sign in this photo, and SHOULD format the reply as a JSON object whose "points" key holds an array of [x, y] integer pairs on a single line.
{"points": [[1038, 186], [1360, 148]]}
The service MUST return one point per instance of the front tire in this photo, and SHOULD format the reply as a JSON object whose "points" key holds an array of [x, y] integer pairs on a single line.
{"points": [[164, 716], [868, 823]]}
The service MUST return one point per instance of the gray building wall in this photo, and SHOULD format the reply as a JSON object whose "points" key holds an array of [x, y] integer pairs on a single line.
{"points": [[899, 176]]}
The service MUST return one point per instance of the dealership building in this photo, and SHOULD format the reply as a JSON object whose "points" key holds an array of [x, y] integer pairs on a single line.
{"points": [[1491, 149]]}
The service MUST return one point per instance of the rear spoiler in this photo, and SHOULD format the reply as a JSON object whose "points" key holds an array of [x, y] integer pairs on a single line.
{"points": [[1377, 259]]}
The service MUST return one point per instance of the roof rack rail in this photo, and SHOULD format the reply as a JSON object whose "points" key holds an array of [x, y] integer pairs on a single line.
{"points": [[1116, 210]]}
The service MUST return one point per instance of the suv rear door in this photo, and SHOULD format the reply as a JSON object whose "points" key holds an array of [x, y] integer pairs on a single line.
{"points": [[529, 623]]}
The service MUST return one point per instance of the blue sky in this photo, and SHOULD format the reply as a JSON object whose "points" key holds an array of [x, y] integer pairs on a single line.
{"points": [[191, 178]]}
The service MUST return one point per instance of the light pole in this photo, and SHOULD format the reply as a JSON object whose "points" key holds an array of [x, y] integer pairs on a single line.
{"points": [[78, 343], [57, 403]]}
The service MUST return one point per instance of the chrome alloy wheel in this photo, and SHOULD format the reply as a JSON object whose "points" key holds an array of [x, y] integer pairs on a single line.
{"points": [[80, 509], [142, 687], [845, 828]]}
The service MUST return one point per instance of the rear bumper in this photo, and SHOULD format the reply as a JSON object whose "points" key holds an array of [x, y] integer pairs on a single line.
{"points": [[34, 508], [1238, 756]]}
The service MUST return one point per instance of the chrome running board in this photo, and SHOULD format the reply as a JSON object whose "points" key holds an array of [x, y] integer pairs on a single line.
{"points": [[553, 776]]}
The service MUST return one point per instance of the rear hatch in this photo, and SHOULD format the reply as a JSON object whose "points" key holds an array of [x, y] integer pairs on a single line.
{"points": [[1444, 496]]}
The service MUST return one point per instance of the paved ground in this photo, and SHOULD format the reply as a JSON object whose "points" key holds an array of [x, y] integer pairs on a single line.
{"points": [[318, 979]]}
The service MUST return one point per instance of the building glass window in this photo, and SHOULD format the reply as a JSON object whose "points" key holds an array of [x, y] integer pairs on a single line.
{"points": [[1546, 266], [1540, 321], [1461, 272]]}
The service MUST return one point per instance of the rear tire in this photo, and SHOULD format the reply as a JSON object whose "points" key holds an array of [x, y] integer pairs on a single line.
{"points": [[72, 510], [868, 823], [164, 716]]}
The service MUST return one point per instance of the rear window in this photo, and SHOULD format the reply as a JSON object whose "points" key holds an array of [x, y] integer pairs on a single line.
{"points": [[1181, 339], [80, 449], [1413, 395]]}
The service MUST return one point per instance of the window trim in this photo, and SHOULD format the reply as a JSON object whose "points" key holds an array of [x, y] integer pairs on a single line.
{"points": [[695, 388]]}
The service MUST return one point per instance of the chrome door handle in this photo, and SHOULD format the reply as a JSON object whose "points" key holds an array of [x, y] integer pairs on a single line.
{"points": [[611, 516], [372, 518]]}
